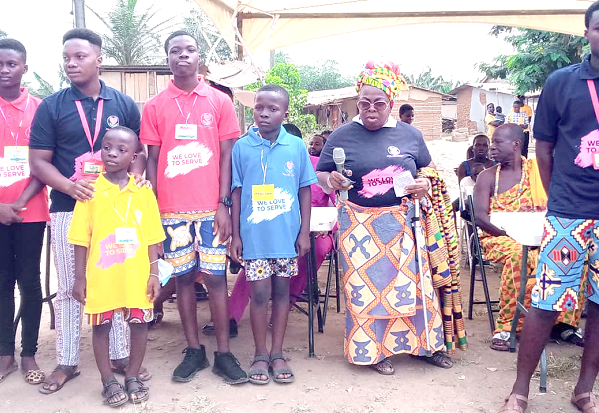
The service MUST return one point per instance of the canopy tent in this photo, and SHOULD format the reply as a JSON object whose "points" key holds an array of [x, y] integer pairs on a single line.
{"points": [[262, 25]]}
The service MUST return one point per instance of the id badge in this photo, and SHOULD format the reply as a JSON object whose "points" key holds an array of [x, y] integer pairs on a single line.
{"points": [[125, 235], [596, 161], [186, 132], [263, 192], [92, 168], [17, 153]]}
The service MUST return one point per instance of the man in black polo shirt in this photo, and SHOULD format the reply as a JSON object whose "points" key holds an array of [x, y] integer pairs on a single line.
{"points": [[567, 133], [66, 138]]}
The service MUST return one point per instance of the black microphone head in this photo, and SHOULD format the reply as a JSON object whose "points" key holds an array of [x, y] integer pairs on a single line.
{"points": [[338, 156]]}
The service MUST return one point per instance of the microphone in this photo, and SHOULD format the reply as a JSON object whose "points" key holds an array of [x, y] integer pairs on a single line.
{"points": [[339, 159]]}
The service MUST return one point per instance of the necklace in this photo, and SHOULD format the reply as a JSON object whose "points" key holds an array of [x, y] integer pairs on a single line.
{"points": [[520, 185]]}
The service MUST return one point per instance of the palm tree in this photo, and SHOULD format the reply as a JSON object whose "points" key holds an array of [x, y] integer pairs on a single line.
{"points": [[427, 80], [134, 39], [202, 28], [3, 34]]}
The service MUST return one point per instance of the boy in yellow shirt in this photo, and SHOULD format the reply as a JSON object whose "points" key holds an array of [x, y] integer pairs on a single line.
{"points": [[117, 235]]}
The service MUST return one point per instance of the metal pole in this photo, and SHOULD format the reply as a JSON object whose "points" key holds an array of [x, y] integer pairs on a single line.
{"points": [[240, 52], [79, 11], [417, 229]]}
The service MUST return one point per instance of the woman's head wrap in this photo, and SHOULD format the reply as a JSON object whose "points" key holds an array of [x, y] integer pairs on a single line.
{"points": [[382, 75]]}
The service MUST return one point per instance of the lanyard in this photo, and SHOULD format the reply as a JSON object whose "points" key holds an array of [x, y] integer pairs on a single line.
{"points": [[85, 125], [16, 138], [594, 99], [117, 212], [264, 166], [190, 110]]}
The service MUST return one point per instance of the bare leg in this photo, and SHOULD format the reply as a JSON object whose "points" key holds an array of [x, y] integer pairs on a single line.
{"points": [[535, 333], [260, 295], [589, 365], [280, 313], [186, 303], [100, 341], [219, 309], [139, 339], [165, 293]]}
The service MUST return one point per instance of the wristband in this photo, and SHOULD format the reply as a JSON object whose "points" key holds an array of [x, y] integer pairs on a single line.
{"points": [[155, 275]]}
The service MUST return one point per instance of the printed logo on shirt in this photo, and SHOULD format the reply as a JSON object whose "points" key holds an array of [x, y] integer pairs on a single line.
{"points": [[137, 214], [113, 121], [206, 119], [289, 169], [589, 146], [12, 172], [183, 159], [112, 253], [394, 152], [379, 181], [269, 210]]}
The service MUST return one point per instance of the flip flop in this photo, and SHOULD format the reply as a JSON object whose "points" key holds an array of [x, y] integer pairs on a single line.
{"points": [[259, 372], [589, 407], [511, 404], [70, 373], [12, 368]]}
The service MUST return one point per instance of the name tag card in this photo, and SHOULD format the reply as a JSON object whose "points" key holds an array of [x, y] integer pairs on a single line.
{"points": [[125, 235], [596, 161], [17, 153], [186, 132], [263, 192], [92, 168], [401, 181]]}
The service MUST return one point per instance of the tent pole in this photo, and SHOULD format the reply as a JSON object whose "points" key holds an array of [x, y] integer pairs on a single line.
{"points": [[240, 107]]}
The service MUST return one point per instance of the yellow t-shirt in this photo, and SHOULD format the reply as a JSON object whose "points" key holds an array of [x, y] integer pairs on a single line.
{"points": [[488, 119], [117, 273]]}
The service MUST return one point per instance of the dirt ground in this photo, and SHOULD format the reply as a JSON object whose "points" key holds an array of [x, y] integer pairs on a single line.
{"points": [[478, 382]]}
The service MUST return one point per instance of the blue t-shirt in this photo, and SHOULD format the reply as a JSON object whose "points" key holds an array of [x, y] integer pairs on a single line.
{"points": [[57, 127], [565, 116], [375, 157], [269, 229]]}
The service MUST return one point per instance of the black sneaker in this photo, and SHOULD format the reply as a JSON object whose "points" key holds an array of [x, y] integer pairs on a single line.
{"points": [[194, 361], [228, 367], [208, 329]]}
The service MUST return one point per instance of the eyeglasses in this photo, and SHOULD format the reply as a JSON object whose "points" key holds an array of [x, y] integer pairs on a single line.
{"points": [[379, 105]]}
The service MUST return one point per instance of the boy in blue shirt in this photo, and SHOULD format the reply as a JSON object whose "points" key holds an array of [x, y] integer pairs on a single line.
{"points": [[270, 188]]}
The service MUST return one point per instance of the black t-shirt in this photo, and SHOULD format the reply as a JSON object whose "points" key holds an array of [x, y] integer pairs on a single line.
{"points": [[565, 116], [57, 127], [374, 157]]}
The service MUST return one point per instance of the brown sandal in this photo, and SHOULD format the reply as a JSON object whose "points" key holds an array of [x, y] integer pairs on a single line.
{"points": [[589, 407], [384, 367], [511, 404]]}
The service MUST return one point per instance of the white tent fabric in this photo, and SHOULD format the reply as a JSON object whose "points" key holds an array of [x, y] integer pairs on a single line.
{"points": [[273, 24]]}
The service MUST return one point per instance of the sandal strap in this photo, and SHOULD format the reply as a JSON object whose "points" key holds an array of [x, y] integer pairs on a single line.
{"points": [[111, 382], [141, 388], [261, 358], [274, 357], [578, 397], [68, 370], [282, 371]]}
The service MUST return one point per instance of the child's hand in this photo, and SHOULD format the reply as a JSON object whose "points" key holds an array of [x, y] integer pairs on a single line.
{"points": [[302, 245], [141, 181], [80, 290], [153, 288], [236, 249]]}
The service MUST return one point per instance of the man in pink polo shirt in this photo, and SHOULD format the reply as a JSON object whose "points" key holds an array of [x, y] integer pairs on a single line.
{"points": [[23, 217], [190, 129]]}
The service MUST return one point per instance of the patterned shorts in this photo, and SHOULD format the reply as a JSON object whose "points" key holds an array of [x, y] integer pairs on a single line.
{"points": [[189, 235], [131, 315], [564, 249], [263, 268]]}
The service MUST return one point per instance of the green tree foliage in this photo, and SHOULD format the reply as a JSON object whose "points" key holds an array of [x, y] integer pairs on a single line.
{"points": [[202, 28], [324, 75], [537, 54], [427, 80], [288, 76], [45, 88], [134, 38], [3, 34]]}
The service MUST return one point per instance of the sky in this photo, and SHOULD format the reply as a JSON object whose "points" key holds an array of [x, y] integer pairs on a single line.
{"points": [[450, 50]]}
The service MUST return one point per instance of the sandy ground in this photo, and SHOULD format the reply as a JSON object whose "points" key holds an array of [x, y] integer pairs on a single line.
{"points": [[478, 381]]}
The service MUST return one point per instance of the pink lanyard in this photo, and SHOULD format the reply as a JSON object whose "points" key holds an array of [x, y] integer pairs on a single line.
{"points": [[16, 138], [594, 98], [85, 124], [190, 110]]}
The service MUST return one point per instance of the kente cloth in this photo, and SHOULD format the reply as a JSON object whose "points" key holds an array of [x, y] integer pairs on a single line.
{"points": [[450, 294], [382, 75], [505, 250], [385, 315]]}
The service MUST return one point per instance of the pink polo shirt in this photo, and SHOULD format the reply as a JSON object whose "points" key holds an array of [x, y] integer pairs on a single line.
{"points": [[15, 174], [189, 162]]}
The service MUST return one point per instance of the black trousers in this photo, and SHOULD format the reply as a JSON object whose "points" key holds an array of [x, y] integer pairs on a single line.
{"points": [[525, 144], [20, 253]]}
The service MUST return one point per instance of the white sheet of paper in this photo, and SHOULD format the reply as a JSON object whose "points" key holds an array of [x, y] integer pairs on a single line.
{"points": [[400, 182]]}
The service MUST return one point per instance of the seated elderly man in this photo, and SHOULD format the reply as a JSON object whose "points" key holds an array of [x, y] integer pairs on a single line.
{"points": [[513, 186]]}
